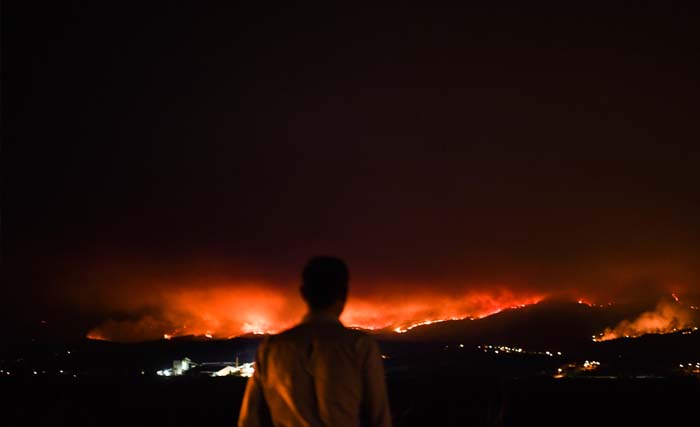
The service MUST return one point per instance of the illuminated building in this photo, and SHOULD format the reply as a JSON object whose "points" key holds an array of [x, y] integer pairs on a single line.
{"points": [[181, 366]]}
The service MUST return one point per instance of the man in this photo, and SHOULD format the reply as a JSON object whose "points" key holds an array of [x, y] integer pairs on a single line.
{"points": [[318, 373]]}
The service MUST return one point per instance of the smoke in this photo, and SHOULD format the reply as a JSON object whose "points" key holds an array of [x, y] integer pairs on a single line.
{"points": [[220, 312], [667, 317]]}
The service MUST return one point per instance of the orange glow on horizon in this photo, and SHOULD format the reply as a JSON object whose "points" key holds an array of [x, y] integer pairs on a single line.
{"points": [[221, 310], [225, 312]]}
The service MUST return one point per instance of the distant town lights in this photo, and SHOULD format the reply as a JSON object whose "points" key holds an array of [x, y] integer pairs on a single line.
{"points": [[505, 349]]}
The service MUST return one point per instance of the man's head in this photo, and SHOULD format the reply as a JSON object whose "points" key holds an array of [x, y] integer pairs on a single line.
{"points": [[324, 284]]}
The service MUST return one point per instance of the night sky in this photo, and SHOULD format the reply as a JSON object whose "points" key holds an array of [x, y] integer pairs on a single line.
{"points": [[165, 164]]}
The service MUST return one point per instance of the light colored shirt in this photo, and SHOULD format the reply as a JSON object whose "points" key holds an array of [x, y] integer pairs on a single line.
{"points": [[318, 373]]}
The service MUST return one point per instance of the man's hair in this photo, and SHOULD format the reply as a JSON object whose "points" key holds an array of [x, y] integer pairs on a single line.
{"points": [[324, 281]]}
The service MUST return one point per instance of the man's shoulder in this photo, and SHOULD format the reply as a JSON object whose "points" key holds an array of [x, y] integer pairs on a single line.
{"points": [[363, 339], [358, 334], [303, 330], [286, 334]]}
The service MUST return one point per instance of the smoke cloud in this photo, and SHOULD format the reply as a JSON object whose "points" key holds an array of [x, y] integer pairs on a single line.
{"points": [[667, 317]]}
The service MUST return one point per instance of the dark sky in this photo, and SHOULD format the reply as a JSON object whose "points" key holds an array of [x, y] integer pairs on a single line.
{"points": [[158, 148]]}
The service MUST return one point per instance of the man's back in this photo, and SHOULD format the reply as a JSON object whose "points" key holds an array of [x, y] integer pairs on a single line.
{"points": [[318, 373]]}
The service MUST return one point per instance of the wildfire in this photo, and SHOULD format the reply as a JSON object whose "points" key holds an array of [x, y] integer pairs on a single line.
{"points": [[226, 313], [430, 310], [666, 318], [404, 329], [95, 336], [401, 330]]}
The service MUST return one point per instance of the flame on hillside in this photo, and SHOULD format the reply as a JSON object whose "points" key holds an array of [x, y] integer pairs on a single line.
{"points": [[404, 329], [223, 313]]}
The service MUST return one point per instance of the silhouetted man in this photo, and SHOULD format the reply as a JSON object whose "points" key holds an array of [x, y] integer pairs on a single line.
{"points": [[318, 373]]}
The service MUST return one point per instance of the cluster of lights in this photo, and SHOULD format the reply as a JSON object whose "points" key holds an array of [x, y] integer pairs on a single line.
{"points": [[19, 371], [243, 370], [586, 366], [589, 304], [447, 346], [498, 349], [691, 368], [165, 373], [590, 365], [180, 367], [60, 372]]}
